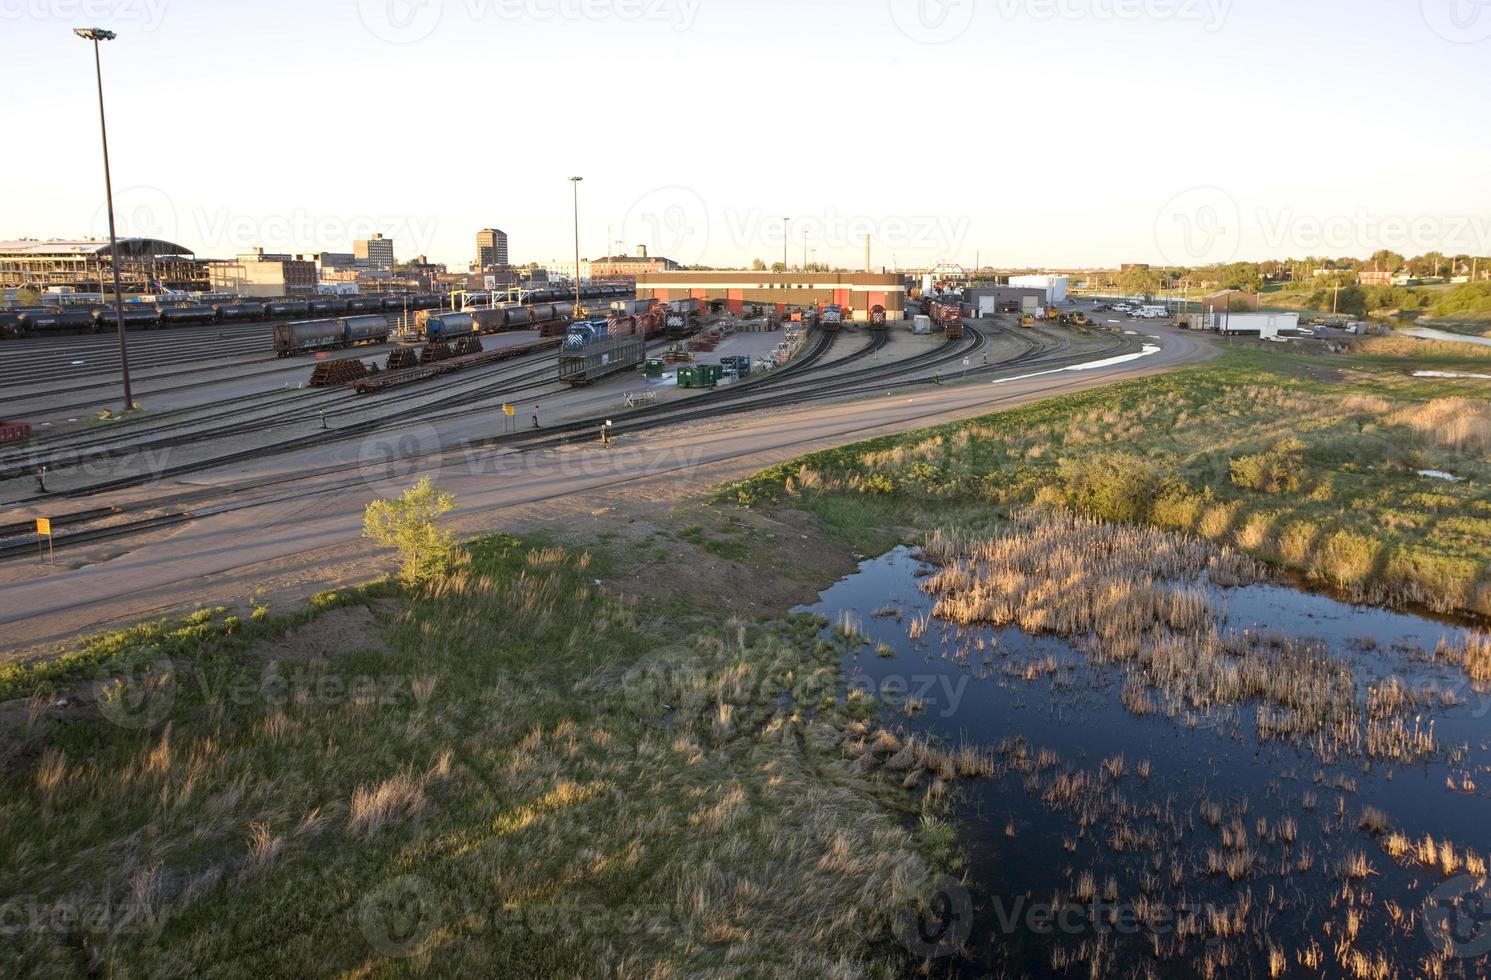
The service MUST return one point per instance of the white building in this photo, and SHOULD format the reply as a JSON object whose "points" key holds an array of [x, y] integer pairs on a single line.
{"points": [[1264, 325], [1055, 286]]}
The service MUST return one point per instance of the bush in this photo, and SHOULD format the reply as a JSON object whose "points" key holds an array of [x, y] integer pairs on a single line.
{"points": [[408, 524], [1279, 470], [1111, 486]]}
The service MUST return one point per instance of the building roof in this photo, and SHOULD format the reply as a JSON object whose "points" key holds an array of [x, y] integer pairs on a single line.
{"points": [[91, 246]]}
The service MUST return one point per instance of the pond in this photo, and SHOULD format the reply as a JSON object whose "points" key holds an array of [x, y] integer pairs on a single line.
{"points": [[1115, 839]]}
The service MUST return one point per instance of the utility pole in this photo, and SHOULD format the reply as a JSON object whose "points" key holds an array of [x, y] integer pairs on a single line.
{"points": [[575, 183], [786, 238], [97, 34]]}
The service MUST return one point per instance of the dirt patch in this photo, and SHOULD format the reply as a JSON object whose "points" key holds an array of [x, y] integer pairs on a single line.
{"points": [[329, 635]]}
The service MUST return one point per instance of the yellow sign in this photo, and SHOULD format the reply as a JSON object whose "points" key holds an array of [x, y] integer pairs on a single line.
{"points": [[509, 410], [44, 526]]}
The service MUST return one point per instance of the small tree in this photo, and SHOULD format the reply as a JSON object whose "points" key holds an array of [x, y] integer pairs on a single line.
{"points": [[408, 524]]}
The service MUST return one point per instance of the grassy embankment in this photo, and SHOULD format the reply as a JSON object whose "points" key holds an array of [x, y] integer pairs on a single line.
{"points": [[503, 773], [1307, 462]]}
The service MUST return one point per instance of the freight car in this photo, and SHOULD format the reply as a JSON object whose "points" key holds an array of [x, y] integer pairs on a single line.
{"points": [[325, 334], [444, 326], [601, 357], [10, 324], [878, 317], [947, 315], [287, 307], [53, 322], [173, 315], [136, 315], [239, 311]]}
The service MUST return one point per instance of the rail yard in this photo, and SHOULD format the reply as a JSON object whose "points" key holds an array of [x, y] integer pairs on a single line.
{"points": [[229, 424]]}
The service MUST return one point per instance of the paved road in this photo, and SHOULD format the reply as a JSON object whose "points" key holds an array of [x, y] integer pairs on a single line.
{"points": [[314, 535]]}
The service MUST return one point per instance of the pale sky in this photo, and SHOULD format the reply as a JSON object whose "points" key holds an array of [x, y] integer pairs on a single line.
{"points": [[1025, 132]]}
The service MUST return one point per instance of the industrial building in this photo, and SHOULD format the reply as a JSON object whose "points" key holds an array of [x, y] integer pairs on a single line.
{"points": [[857, 292], [491, 250], [374, 254], [1054, 286], [258, 273], [989, 300], [630, 266], [87, 265]]}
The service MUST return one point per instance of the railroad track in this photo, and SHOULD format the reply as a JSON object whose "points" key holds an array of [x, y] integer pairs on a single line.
{"points": [[260, 491]]}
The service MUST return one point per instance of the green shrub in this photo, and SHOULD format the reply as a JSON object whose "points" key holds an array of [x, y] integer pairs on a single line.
{"points": [[408, 524], [1281, 469], [1111, 486]]}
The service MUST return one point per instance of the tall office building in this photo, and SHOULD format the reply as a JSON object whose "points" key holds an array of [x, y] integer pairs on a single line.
{"points": [[491, 249], [374, 253]]}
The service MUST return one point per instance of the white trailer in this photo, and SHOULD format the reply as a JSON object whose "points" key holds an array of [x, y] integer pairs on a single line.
{"points": [[922, 324], [1264, 325]]}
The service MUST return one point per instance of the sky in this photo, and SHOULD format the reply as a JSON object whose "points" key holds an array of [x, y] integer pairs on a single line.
{"points": [[1042, 133]]}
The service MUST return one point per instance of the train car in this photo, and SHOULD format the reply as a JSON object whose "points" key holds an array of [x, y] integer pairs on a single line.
{"points": [[328, 307], [239, 311], [364, 304], [445, 326], [948, 315], [832, 316], [542, 312], [600, 357], [286, 308], [490, 321], [370, 329], [878, 317], [54, 322], [308, 335], [171, 316], [564, 311], [10, 323], [519, 318], [136, 315]]}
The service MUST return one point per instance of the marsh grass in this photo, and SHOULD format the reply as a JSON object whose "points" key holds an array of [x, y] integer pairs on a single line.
{"points": [[560, 789], [1316, 476]]}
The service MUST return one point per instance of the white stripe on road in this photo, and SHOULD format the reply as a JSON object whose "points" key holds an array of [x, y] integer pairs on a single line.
{"points": [[1090, 365]]}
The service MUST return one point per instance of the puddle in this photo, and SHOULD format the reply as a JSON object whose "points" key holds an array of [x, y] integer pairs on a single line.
{"points": [[1450, 374], [1131, 875]]}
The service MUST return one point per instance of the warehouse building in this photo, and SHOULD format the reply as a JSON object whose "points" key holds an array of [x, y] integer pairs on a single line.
{"points": [[989, 300], [87, 265], [258, 273], [1054, 286], [857, 292]]}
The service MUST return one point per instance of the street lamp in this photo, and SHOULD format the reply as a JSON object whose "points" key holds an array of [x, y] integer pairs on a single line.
{"points": [[575, 183], [97, 34]]}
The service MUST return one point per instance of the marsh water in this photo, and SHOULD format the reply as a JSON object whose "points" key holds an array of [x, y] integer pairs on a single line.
{"points": [[1150, 836]]}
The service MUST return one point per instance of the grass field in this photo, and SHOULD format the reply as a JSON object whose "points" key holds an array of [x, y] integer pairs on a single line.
{"points": [[1308, 462], [503, 773]]}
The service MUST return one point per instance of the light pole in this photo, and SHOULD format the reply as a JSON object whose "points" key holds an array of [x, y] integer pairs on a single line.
{"points": [[97, 34], [786, 239], [575, 183]]}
